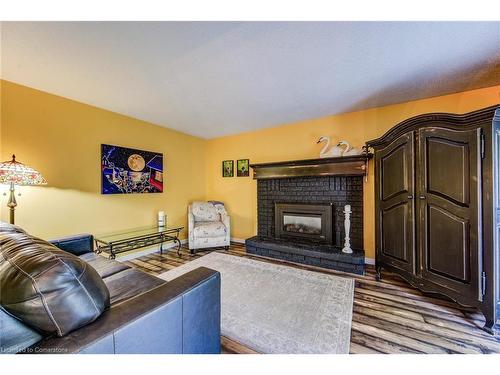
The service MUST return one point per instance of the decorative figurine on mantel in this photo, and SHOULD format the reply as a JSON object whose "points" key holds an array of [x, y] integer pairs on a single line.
{"points": [[349, 150], [347, 225], [334, 151], [343, 148]]}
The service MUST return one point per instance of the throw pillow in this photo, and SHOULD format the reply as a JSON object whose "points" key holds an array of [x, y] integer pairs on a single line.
{"points": [[46, 288]]}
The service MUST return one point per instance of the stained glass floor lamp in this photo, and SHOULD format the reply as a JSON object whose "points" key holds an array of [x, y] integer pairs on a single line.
{"points": [[14, 173]]}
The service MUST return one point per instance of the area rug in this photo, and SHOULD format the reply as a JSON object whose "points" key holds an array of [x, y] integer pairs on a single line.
{"points": [[274, 308]]}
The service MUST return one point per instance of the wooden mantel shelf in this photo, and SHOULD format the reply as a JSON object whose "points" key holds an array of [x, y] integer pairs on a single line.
{"points": [[340, 166]]}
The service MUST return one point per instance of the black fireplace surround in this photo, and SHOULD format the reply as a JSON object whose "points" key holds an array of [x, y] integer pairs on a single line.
{"points": [[321, 197], [336, 191]]}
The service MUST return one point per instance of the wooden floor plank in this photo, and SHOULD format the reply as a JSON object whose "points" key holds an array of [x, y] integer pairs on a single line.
{"points": [[401, 305], [411, 301], [442, 344], [361, 349], [234, 347], [389, 316], [409, 342], [410, 293], [439, 332]]}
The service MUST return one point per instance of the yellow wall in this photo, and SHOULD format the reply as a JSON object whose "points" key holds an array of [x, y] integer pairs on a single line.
{"points": [[1, 189], [298, 141], [61, 138]]}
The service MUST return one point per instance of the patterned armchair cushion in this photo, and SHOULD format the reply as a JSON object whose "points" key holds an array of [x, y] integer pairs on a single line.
{"points": [[219, 207], [209, 230], [204, 211]]}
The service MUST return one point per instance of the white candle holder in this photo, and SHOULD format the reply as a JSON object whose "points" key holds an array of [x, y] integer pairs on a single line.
{"points": [[161, 219], [347, 226]]}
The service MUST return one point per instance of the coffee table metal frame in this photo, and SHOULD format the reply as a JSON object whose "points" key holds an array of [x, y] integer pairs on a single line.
{"points": [[114, 247]]}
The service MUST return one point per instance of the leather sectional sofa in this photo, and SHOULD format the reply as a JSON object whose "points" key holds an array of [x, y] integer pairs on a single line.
{"points": [[145, 315]]}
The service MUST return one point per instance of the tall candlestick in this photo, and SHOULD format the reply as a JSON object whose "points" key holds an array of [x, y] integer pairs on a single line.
{"points": [[347, 226]]}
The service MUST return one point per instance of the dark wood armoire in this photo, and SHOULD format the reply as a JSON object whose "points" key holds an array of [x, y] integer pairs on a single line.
{"points": [[437, 206]]}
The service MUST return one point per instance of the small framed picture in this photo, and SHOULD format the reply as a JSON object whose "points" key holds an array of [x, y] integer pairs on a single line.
{"points": [[243, 168], [228, 168]]}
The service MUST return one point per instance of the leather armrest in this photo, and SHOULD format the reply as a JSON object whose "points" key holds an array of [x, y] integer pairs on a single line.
{"points": [[77, 245], [180, 316]]}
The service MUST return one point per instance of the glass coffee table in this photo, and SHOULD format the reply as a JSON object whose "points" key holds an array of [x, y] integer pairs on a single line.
{"points": [[119, 242]]}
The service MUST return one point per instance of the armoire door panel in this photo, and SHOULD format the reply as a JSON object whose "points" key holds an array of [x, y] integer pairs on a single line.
{"points": [[443, 156], [448, 180], [448, 244], [393, 166], [395, 204], [395, 232]]}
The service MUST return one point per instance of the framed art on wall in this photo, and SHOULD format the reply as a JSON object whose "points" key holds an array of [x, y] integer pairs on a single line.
{"points": [[242, 168], [228, 168], [128, 171]]}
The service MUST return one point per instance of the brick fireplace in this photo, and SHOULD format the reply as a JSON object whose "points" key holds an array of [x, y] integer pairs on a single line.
{"points": [[300, 217], [336, 191]]}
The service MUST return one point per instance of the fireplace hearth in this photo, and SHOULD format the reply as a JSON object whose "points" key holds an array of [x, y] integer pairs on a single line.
{"points": [[300, 217], [325, 256]]}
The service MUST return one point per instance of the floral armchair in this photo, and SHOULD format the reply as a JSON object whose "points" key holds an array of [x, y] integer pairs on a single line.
{"points": [[208, 225]]}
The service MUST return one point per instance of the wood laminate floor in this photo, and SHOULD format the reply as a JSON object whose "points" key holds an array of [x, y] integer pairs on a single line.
{"points": [[388, 316]]}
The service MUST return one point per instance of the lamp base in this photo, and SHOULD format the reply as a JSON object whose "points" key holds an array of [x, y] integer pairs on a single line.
{"points": [[12, 202], [11, 218]]}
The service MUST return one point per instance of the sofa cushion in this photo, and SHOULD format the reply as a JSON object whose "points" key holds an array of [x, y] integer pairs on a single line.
{"points": [[130, 283], [104, 267], [209, 230], [47, 288], [204, 211]]}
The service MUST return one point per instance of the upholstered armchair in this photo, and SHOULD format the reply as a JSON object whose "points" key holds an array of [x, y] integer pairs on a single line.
{"points": [[208, 225]]}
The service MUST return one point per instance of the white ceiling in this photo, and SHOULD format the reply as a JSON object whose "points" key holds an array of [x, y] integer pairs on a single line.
{"points": [[216, 78]]}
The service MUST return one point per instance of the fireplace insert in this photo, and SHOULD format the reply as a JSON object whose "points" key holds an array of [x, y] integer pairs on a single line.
{"points": [[310, 222]]}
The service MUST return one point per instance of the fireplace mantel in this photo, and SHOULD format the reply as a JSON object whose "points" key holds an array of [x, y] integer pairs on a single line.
{"points": [[339, 166]]}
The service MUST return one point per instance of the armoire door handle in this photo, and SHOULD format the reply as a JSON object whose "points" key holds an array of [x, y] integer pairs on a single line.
{"points": [[410, 196], [423, 197]]}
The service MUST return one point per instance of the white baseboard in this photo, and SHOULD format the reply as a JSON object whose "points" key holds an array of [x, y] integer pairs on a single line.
{"points": [[145, 251], [370, 261], [237, 240]]}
